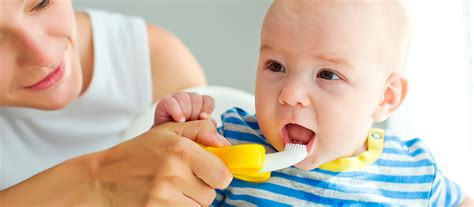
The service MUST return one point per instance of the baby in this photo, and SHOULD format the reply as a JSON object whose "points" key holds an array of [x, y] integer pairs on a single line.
{"points": [[327, 70]]}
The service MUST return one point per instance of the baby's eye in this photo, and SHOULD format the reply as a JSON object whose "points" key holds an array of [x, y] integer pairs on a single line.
{"points": [[328, 75], [275, 66]]}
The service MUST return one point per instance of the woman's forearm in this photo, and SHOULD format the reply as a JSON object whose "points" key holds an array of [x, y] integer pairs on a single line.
{"points": [[160, 167], [68, 183]]}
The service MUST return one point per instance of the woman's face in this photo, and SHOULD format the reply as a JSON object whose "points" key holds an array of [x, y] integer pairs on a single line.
{"points": [[39, 64]]}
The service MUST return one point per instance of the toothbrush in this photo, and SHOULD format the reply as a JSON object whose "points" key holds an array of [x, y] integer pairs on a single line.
{"points": [[292, 154], [250, 163]]}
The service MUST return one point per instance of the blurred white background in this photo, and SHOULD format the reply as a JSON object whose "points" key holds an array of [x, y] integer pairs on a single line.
{"points": [[439, 106], [224, 36]]}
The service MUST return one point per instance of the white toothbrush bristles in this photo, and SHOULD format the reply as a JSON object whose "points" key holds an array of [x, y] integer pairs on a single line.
{"points": [[292, 154], [295, 147]]}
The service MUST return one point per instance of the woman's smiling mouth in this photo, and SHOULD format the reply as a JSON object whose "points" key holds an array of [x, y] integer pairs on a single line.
{"points": [[50, 79]]}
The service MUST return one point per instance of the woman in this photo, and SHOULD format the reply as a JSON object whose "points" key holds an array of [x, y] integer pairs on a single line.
{"points": [[70, 84]]}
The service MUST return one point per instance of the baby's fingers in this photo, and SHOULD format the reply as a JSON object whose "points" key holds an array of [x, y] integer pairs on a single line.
{"points": [[168, 110], [196, 105], [185, 102], [207, 107]]}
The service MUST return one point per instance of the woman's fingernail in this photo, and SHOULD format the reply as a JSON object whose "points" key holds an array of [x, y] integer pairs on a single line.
{"points": [[224, 140], [182, 119]]}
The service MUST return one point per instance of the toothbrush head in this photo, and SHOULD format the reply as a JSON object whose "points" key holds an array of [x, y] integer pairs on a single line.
{"points": [[298, 148], [292, 154]]}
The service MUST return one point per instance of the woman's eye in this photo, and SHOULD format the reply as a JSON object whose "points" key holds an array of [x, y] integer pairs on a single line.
{"points": [[328, 75], [275, 67], [41, 4]]}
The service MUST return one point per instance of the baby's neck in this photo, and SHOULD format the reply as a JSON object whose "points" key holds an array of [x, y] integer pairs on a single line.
{"points": [[359, 150]]}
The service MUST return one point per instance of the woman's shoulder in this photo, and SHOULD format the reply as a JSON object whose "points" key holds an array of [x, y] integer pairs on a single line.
{"points": [[170, 58]]}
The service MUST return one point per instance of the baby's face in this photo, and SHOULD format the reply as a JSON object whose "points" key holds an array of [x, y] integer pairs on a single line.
{"points": [[319, 79]]}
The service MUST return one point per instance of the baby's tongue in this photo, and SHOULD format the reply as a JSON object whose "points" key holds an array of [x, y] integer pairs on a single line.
{"points": [[299, 134]]}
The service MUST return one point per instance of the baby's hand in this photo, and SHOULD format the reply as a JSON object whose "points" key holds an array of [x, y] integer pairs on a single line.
{"points": [[183, 106]]}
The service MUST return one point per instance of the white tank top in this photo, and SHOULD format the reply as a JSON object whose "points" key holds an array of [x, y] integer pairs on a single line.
{"points": [[32, 141]]}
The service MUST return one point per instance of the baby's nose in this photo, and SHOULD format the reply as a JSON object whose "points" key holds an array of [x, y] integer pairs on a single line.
{"points": [[294, 95]]}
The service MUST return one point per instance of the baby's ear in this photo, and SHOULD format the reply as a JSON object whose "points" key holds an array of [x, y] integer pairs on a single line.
{"points": [[395, 91]]}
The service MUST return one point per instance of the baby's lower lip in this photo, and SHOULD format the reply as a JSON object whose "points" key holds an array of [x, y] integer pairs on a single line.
{"points": [[309, 146]]}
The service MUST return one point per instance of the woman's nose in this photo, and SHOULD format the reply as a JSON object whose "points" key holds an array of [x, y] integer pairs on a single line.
{"points": [[294, 94], [33, 50]]}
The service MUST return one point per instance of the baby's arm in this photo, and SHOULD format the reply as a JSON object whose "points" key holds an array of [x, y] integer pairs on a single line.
{"points": [[183, 106]]}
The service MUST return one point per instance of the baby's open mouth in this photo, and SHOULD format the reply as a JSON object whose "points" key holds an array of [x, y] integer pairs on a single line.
{"points": [[297, 134]]}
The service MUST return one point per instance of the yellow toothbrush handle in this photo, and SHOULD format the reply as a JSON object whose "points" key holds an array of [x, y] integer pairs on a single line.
{"points": [[255, 178], [244, 161]]}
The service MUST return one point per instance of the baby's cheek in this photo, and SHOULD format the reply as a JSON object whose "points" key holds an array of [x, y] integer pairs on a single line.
{"points": [[273, 137], [278, 144], [276, 141], [269, 128]]}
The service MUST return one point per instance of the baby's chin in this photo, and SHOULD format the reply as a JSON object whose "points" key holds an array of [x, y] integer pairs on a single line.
{"points": [[307, 164]]}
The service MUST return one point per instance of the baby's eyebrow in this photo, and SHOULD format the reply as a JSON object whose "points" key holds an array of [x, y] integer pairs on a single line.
{"points": [[268, 47], [329, 57], [334, 59]]}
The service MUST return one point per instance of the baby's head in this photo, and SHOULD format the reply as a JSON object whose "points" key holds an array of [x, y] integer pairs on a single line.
{"points": [[327, 71]]}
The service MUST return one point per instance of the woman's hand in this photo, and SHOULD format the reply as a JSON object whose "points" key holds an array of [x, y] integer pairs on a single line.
{"points": [[162, 168], [159, 168]]}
